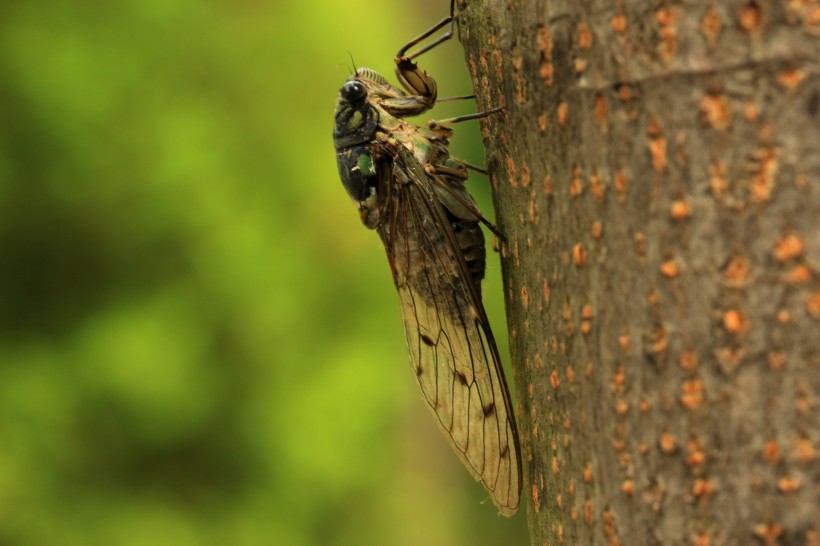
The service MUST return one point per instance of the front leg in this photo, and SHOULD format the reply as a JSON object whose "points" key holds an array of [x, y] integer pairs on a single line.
{"points": [[421, 87]]}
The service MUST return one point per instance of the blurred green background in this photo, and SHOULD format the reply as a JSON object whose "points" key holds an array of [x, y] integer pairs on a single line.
{"points": [[199, 342]]}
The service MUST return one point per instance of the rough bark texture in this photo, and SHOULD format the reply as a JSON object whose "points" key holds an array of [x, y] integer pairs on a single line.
{"points": [[656, 175]]}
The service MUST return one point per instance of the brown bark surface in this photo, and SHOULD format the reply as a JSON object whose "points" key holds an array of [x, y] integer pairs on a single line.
{"points": [[656, 176]]}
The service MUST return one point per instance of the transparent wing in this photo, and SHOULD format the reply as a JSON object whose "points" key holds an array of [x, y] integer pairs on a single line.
{"points": [[452, 349]]}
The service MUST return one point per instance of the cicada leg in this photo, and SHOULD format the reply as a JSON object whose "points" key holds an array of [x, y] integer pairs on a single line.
{"points": [[419, 84], [436, 124]]}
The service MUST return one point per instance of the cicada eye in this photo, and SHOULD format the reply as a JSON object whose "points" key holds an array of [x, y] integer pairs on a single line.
{"points": [[353, 91]]}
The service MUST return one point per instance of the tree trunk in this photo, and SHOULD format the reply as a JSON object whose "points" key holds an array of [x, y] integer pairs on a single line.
{"points": [[655, 174]]}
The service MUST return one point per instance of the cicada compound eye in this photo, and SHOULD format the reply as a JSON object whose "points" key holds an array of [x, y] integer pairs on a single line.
{"points": [[353, 91]]}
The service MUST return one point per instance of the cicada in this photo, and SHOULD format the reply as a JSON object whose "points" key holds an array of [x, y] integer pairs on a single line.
{"points": [[408, 188]]}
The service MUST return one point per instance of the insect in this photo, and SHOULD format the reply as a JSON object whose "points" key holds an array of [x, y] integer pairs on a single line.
{"points": [[408, 188]]}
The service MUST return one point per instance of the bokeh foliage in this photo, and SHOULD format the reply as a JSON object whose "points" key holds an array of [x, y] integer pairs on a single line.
{"points": [[199, 343]]}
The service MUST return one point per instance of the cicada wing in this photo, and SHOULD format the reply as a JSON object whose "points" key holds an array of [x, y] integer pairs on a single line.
{"points": [[452, 349]]}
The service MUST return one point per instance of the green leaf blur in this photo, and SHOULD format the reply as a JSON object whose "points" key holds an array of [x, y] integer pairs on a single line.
{"points": [[199, 342]]}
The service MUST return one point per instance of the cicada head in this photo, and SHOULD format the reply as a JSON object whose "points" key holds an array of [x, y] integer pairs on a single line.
{"points": [[355, 120]]}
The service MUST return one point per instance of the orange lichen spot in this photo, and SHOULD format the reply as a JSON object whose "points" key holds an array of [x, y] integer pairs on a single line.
{"points": [[584, 35], [621, 407], [657, 146], [532, 210], [653, 297], [784, 317], [799, 274], [546, 292], [579, 255], [771, 451], [643, 449], [621, 182], [623, 342], [763, 179], [659, 339], [788, 484], [597, 186], [542, 122], [544, 40], [545, 70], [736, 272], [689, 361], [609, 523], [710, 25], [692, 394], [485, 85], [624, 93], [554, 381], [812, 20], [680, 210], [789, 246], [717, 179], [586, 311], [628, 487], [570, 374], [498, 63], [750, 17], [640, 243], [668, 443], [562, 112], [791, 78], [619, 23], [525, 297], [600, 108], [536, 500], [511, 174], [559, 501], [576, 185], [546, 184], [750, 110], [586, 327], [618, 380], [644, 406], [813, 304], [666, 18], [580, 65], [525, 176], [729, 358], [531, 390], [735, 322], [669, 269], [696, 458], [769, 533], [703, 487], [804, 402], [587, 475], [715, 110], [597, 229], [554, 464], [588, 513], [702, 539], [805, 451], [618, 445]]}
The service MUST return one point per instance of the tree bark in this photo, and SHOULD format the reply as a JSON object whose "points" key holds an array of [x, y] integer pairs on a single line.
{"points": [[655, 173]]}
